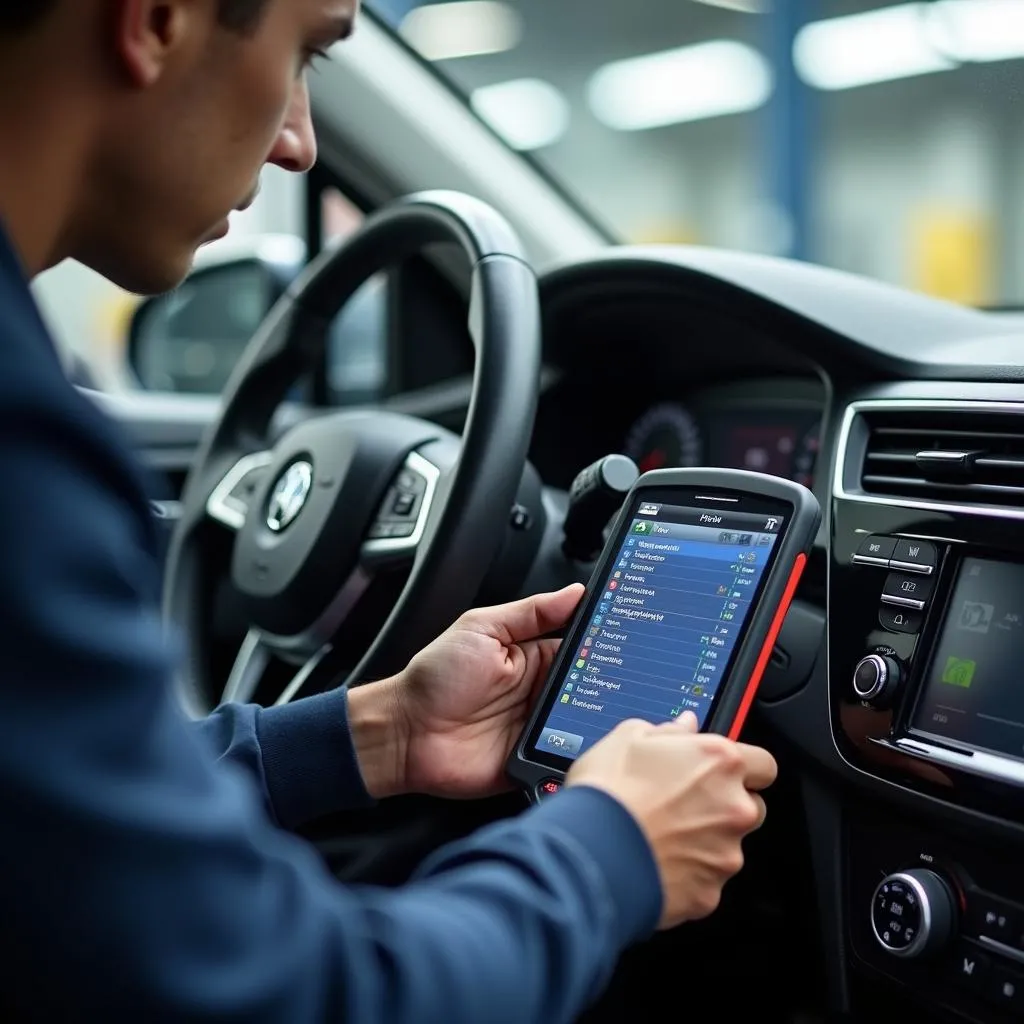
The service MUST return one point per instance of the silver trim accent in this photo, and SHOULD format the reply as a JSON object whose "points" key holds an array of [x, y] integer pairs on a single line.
{"points": [[220, 505], [247, 671], [903, 602], [855, 409], [416, 463], [974, 762], [300, 677], [923, 933], [924, 570], [1002, 949], [871, 560], [881, 677]]}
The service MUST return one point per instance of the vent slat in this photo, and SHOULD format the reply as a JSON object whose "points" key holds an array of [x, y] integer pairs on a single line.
{"points": [[991, 473]]}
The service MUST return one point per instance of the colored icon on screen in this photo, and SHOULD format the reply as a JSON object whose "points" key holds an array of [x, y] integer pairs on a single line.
{"points": [[581, 663], [565, 698], [613, 585], [959, 672], [603, 607], [598, 620], [574, 676]]}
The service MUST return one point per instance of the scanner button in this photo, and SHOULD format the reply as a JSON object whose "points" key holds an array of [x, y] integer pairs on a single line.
{"points": [[549, 787]]}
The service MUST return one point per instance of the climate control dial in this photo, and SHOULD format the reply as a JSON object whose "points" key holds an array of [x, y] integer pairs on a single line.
{"points": [[913, 913], [875, 679]]}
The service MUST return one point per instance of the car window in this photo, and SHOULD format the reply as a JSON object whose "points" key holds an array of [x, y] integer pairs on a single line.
{"points": [[878, 137], [193, 337]]}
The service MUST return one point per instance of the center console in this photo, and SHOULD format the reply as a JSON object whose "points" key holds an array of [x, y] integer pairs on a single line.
{"points": [[926, 692]]}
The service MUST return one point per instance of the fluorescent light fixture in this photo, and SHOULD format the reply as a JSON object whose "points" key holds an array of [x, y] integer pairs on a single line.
{"points": [[744, 6], [861, 49], [526, 112], [468, 28], [688, 84], [977, 30]]}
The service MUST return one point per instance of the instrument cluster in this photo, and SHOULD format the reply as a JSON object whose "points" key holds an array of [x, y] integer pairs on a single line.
{"points": [[738, 429]]}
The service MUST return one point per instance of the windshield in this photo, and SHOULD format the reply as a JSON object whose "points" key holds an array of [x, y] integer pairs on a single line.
{"points": [[882, 139]]}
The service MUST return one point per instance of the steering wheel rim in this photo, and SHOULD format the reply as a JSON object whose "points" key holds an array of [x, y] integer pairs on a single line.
{"points": [[465, 526]]}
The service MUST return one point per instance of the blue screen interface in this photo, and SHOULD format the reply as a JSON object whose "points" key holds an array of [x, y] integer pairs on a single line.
{"points": [[661, 630]]}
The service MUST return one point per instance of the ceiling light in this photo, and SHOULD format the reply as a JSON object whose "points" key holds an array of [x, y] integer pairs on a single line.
{"points": [[977, 30], [688, 84], [468, 28], [745, 6], [861, 49], [527, 113]]}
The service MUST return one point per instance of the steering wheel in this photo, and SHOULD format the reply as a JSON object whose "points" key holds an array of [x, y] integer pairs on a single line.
{"points": [[343, 497]]}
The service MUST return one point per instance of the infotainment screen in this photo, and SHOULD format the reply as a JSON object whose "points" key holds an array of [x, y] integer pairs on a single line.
{"points": [[974, 692]]}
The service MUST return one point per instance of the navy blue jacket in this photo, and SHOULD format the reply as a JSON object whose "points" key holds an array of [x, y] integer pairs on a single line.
{"points": [[146, 869]]}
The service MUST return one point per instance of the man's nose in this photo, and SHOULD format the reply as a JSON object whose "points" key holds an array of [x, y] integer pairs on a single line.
{"points": [[295, 148]]}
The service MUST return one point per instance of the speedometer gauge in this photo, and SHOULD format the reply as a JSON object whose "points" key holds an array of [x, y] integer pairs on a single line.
{"points": [[666, 436]]}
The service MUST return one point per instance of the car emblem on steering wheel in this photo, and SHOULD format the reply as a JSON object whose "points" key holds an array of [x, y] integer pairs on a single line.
{"points": [[289, 496]]}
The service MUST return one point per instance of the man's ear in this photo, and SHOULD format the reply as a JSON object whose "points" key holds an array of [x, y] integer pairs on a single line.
{"points": [[148, 32]]}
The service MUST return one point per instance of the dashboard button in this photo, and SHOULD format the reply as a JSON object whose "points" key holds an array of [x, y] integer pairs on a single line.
{"points": [[987, 915], [875, 551], [904, 590], [1006, 988], [915, 556], [900, 620], [972, 967]]}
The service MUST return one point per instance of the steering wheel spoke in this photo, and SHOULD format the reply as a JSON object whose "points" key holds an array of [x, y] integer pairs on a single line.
{"points": [[231, 499], [252, 663]]}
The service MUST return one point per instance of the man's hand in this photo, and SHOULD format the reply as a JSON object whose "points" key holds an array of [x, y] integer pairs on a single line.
{"points": [[462, 702], [695, 797]]}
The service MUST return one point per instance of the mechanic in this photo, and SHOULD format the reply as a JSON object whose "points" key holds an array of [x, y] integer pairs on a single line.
{"points": [[148, 868]]}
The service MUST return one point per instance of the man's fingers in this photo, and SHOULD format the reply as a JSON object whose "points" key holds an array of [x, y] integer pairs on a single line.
{"points": [[686, 722], [761, 769], [533, 616]]}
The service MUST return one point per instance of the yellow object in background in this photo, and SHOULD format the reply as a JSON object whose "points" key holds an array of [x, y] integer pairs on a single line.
{"points": [[951, 255]]}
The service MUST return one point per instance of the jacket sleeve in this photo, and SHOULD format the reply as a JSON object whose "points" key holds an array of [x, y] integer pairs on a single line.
{"points": [[300, 755], [143, 877]]}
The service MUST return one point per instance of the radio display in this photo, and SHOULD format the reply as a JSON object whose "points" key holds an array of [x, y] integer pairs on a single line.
{"points": [[973, 694]]}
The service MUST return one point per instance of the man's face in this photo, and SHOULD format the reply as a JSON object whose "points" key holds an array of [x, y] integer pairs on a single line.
{"points": [[183, 149]]}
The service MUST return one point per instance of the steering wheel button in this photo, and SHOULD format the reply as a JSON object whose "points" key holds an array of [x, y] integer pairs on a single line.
{"points": [[402, 529], [403, 504]]}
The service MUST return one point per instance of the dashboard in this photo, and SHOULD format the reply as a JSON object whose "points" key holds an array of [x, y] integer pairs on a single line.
{"points": [[893, 673], [770, 428]]}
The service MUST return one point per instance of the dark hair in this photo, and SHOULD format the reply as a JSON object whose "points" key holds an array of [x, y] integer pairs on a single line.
{"points": [[18, 15]]}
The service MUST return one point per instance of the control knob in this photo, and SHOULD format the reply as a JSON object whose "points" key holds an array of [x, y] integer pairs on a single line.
{"points": [[876, 678], [596, 495], [913, 913]]}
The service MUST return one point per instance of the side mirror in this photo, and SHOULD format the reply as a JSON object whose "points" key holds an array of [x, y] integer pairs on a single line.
{"points": [[189, 340]]}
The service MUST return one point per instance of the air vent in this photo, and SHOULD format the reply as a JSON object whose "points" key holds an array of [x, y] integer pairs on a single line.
{"points": [[954, 456]]}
